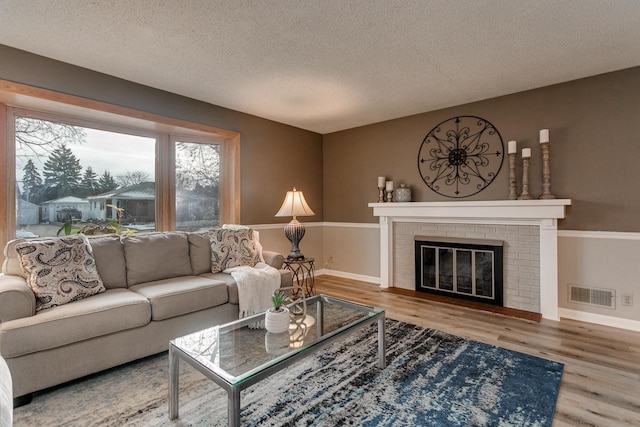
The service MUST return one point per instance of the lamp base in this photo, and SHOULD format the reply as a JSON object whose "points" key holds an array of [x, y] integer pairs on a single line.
{"points": [[294, 232]]}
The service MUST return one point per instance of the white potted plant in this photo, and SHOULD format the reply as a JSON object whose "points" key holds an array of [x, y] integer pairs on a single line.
{"points": [[276, 319]]}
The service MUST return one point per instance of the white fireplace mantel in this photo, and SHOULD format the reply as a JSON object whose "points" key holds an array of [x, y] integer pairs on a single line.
{"points": [[543, 213]]}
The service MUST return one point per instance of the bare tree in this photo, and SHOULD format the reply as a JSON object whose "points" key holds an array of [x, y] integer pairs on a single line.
{"points": [[130, 178], [42, 137], [197, 166]]}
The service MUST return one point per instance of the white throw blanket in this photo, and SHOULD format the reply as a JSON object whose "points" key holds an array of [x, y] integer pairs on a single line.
{"points": [[255, 288]]}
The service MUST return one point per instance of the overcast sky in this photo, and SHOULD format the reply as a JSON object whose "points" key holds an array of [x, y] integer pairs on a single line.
{"points": [[116, 152]]}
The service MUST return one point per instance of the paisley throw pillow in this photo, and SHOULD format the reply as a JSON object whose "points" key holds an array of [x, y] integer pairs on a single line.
{"points": [[232, 248], [60, 270]]}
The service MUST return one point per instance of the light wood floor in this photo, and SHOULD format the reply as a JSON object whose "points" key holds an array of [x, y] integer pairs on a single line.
{"points": [[601, 380]]}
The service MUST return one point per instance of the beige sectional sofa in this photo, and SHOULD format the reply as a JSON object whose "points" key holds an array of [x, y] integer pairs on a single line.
{"points": [[158, 286]]}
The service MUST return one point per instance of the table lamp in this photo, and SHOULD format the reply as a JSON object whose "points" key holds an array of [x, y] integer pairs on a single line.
{"points": [[294, 205]]}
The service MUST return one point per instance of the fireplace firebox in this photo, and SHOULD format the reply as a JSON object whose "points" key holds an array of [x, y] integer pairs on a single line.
{"points": [[469, 269]]}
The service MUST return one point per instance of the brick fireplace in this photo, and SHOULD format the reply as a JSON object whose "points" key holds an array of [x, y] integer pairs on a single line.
{"points": [[528, 229]]}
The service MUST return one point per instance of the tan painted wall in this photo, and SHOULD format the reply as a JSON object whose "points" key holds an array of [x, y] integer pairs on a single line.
{"points": [[274, 157], [595, 147], [353, 250]]}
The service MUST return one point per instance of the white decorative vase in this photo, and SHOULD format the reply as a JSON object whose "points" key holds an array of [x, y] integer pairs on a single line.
{"points": [[277, 322]]}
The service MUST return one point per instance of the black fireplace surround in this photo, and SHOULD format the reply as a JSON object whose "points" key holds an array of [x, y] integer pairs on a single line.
{"points": [[468, 269]]}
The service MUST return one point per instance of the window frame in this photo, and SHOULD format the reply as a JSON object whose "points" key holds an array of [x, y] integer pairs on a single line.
{"points": [[23, 100]]}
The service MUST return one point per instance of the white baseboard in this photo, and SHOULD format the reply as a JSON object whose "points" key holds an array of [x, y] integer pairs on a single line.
{"points": [[345, 275], [600, 319]]}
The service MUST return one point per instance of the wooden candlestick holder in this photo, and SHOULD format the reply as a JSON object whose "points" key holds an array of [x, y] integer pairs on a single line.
{"points": [[525, 180], [546, 173], [512, 177]]}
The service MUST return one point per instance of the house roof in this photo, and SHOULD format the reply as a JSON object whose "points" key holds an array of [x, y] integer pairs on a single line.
{"points": [[333, 64], [25, 204], [142, 191], [67, 199]]}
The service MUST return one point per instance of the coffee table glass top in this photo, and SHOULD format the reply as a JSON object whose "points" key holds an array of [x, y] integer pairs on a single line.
{"points": [[236, 352]]}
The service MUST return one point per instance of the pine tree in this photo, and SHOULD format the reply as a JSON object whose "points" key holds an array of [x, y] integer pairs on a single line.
{"points": [[62, 173], [106, 182], [89, 184], [31, 183]]}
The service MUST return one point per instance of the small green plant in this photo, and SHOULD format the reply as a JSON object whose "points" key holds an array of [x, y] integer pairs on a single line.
{"points": [[278, 300], [67, 227]]}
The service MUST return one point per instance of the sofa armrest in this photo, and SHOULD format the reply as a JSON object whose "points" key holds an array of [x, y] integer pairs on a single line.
{"points": [[274, 259], [286, 278], [16, 298]]}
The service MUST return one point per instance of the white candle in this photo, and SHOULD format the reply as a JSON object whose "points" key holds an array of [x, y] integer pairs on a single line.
{"points": [[513, 147], [544, 135], [381, 181], [526, 153], [389, 185]]}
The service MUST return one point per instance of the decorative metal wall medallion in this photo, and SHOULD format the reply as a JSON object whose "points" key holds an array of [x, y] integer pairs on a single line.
{"points": [[461, 156]]}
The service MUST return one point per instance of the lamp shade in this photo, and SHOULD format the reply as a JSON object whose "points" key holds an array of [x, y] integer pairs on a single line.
{"points": [[295, 205]]}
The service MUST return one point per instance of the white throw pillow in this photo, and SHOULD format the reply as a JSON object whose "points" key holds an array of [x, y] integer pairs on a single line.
{"points": [[232, 248], [60, 270]]}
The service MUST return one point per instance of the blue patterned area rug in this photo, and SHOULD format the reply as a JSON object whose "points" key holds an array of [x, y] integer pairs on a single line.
{"points": [[431, 379]]}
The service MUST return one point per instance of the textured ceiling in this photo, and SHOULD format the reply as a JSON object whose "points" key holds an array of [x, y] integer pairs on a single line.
{"points": [[328, 65]]}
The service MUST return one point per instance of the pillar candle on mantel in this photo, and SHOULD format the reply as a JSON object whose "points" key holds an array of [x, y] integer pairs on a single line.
{"points": [[526, 153], [544, 136], [389, 185], [513, 147], [381, 181]]}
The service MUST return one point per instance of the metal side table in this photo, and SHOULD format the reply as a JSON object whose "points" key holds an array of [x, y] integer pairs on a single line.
{"points": [[303, 274]]}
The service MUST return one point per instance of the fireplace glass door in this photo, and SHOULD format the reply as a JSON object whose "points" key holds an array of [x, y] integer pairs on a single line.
{"points": [[459, 271]]}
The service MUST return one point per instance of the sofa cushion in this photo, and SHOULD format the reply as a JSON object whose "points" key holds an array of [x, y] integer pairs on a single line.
{"points": [[200, 253], [111, 311], [232, 287], [181, 295], [60, 270], [232, 248], [109, 255], [156, 256]]}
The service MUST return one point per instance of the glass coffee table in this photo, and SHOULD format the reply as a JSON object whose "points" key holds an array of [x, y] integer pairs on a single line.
{"points": [[235, 356]]}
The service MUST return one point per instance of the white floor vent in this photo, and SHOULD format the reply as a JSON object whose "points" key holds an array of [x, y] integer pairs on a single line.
{"points": [[600, 297]]}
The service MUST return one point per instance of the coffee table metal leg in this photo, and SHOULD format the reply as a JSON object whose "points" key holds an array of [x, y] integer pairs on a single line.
{"points": [[320, 318], [382, 345], [234, 407], [174, 371]]}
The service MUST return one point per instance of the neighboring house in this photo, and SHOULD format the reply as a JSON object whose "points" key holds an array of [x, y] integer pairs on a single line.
{"points": [[138, 202], [59, 210], [27, 213]]}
